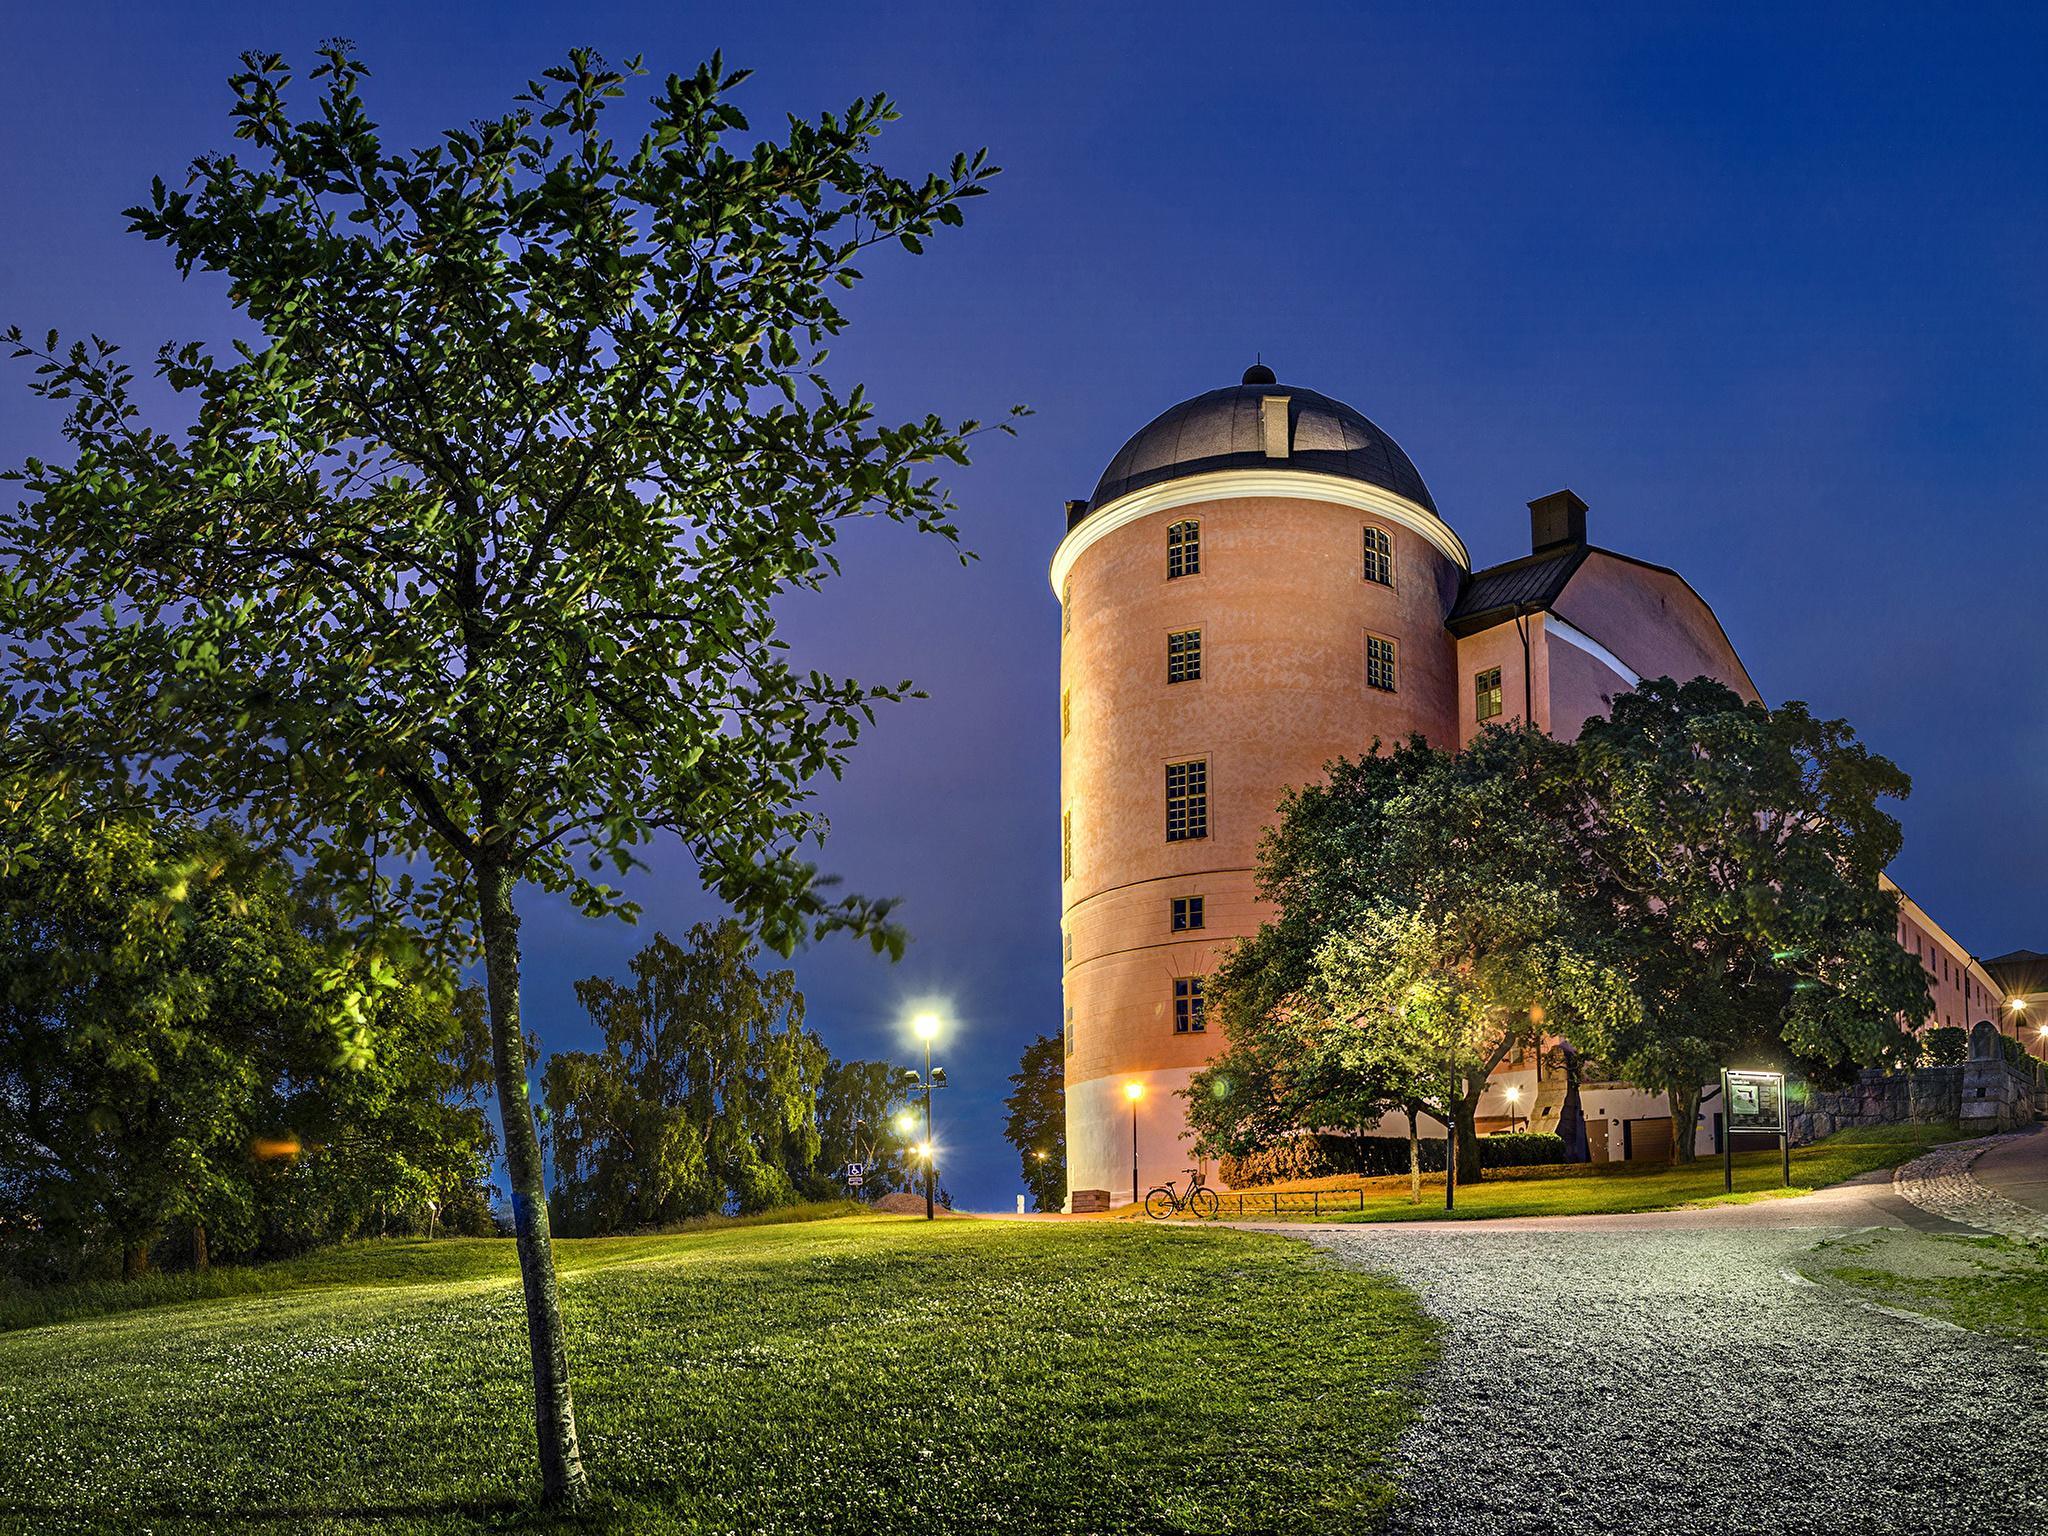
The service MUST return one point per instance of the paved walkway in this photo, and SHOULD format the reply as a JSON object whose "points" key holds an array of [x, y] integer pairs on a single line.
{"points": [[1669, 1372], [1995, 1184]]}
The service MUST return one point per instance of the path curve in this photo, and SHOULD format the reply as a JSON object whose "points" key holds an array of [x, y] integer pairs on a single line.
{"points": [[1986, 1183], [1670, 1372]]}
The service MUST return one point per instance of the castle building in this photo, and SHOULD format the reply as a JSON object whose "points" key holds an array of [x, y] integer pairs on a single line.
{"points": [[1262, 582]]}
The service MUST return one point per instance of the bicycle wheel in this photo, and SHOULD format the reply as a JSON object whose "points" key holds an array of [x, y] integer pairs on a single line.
{"points": [[1160, 1204], [1203, 1203]]}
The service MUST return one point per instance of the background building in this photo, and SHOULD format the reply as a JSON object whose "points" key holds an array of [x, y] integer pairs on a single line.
{"points": [[1261, 582]]}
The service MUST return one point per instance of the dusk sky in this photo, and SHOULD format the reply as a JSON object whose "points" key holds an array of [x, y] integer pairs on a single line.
{"points": [[1768, 291]]}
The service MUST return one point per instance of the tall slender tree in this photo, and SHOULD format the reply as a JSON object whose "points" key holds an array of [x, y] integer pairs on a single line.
{"points": [[474, 547], [1037, 1122]]}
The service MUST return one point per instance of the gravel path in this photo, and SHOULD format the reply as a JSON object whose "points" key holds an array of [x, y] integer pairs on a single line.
{"points": [[1657, 1379]]}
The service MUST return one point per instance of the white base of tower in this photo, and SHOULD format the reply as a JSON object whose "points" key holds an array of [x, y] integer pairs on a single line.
{"points": [[1099, 1134]]}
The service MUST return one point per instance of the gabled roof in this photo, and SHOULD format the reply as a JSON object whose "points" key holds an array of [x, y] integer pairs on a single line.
{"points": [[2022, 972], [1528, 585]]}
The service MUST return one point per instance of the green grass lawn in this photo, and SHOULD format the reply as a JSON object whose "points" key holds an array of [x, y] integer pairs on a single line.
{"points": [[1599, 1188], [849, 1376], [1990, 1284]]}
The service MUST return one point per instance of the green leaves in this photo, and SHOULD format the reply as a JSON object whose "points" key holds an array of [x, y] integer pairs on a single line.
{"points": [[473, 551]]}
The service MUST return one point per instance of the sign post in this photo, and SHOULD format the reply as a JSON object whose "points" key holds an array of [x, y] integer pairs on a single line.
{"points": [[1753, 1101]]}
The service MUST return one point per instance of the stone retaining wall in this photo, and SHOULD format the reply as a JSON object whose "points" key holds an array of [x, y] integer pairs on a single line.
{"points": [[1986, 1094], [1924, 1096]]}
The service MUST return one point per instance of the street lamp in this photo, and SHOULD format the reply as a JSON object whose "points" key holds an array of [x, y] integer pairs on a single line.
{"points": [[1513, 1094], [1134, 1091], [926, 1027]]}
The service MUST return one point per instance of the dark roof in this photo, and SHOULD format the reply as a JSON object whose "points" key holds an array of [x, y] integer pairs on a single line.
{"points": [[2022, 971], [1528, 585], [1220, 430]]}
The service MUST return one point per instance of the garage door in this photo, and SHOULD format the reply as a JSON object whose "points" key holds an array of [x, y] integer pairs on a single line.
{"points": [[1649, 1141]]}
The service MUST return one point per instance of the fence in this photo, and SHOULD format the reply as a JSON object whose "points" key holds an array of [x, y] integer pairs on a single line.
{"points": [[1276, 1202]]}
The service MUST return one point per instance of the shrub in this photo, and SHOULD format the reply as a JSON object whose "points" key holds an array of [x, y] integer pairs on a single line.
{"points": [[1309, 1156], [1946, 1045], [1520, 1149]]}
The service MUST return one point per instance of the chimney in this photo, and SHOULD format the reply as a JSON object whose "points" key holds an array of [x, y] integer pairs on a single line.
{"points": [[1076, 510], [1556, 520]]}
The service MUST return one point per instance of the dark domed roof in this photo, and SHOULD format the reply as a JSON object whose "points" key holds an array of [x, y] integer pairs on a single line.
{"points": [[1221, 430]]}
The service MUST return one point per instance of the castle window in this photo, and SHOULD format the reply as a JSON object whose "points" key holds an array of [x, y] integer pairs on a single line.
{"points": [[1069, 1029], [1066, 947], [1066, 608], [1066, 845], [1187, 913], [1379, 556], [1187, 1006], [1187, 801], [1184, 549], [1066, 712], [1486, 694], [1379, 664], [1184, 656]]}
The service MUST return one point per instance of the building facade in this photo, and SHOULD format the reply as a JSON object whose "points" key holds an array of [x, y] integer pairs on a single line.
{"points": [[1259, 583]]}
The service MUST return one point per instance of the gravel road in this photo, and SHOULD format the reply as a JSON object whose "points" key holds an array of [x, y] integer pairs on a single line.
{"points": [[1650, 1379]]}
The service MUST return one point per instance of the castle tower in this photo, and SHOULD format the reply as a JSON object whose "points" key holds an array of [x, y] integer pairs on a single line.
{"points": [[1258, 584]]}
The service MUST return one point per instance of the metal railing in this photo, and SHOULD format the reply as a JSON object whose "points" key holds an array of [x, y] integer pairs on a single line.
{"points": [[1290, 1202]]}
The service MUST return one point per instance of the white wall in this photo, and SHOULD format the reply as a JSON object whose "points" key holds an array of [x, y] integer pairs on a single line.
{"points": [[1099, 1133]]}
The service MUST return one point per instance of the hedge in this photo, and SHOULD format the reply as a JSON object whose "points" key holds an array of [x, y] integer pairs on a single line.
{"points": [[1315, 1156]]}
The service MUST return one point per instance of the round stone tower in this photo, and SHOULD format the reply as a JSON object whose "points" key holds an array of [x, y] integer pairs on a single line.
{"points": [[1258, 585]]}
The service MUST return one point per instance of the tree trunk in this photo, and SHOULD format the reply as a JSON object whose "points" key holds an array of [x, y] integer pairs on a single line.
{"points": [[1685, 1114], [134, 1261], [1466, 1111], [202, 1260], [1571, 1115], [561, 1460], [1414, 1161]]}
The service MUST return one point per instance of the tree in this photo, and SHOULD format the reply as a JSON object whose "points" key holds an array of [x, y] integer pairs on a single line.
{"points": [[1037, 1123], [165, 1066], [1431, 919], [1740, 848], [473, 551], [856, 1103], [704, 1098]]}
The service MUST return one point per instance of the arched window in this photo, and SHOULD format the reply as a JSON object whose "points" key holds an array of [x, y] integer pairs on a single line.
{"points": [[1379, 556], [1183, 549]]}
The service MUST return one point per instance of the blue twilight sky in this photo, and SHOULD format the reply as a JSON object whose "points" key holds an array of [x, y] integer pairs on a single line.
{"points": [[1765, 285]]}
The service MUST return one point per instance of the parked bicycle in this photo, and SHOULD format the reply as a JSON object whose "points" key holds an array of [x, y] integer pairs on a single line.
{"points": [[1166, 1199]]}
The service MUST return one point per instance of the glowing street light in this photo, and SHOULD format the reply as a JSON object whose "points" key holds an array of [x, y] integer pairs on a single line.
{"points": [[1134, 1091], [926, 1027], [1513, 1093], [906, 1122]]}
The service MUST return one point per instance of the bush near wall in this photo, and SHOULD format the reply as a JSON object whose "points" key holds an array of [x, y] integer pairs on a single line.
{"points": [[1311, 1156], [1946, 1045]]}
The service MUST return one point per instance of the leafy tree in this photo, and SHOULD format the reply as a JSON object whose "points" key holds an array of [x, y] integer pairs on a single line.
{"points": [[1431, 919], [1741, 848], [703, 1099], [390, 1139], [1037, 1124], [856, 1103], [473, 550], [164, 1064]]}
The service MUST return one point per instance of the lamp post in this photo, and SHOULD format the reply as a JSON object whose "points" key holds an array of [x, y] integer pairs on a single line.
{"points": [[926, 1026], [1134, 1092], [1513, 1094]]}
